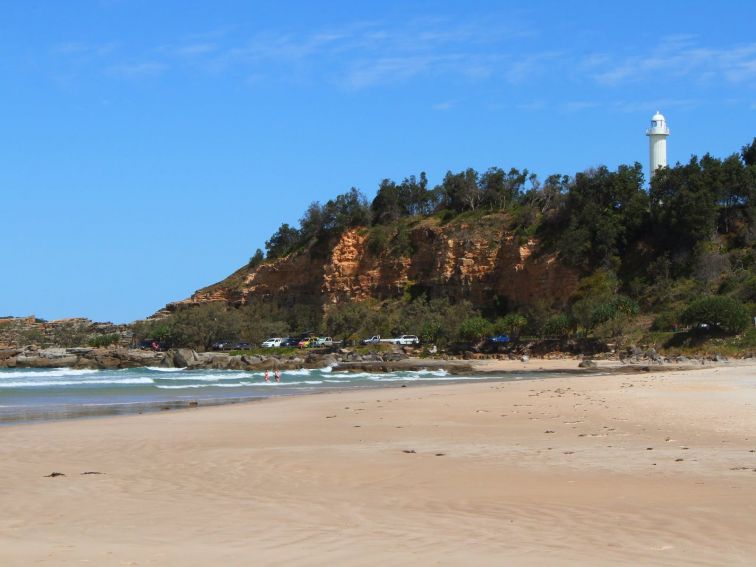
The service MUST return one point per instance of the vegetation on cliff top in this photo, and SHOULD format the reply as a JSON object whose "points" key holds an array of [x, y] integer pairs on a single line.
{"points": [[643, 255]]}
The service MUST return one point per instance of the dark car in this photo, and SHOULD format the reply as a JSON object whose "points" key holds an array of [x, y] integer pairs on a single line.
{"points": [[222, 345], [499, 339], [290, 342], [242, 346]]}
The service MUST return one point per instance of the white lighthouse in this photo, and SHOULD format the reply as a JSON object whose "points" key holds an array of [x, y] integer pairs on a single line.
{"points": [[657, 142]]}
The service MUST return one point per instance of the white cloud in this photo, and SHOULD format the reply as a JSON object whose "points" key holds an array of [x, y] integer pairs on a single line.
{"points": [[677, 57]]}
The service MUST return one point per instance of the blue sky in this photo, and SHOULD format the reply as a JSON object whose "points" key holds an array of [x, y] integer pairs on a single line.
{"points": [[148, 148]]}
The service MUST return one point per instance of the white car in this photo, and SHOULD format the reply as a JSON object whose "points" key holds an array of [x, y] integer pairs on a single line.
{"points": [[272, 343], [407, 340], [324, 341]]}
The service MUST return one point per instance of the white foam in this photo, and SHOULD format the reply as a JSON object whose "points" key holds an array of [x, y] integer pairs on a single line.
{"points": [[208, 377], [39, 383], [45, 373], [369, 375], [426, 372], [158, 369], [299, 372]]}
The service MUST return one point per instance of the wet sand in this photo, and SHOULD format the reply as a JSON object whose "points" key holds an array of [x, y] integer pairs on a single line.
{"points": [[641, 469]]}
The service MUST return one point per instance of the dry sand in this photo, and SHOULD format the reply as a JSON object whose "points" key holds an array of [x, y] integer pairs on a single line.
{"points": [[643, 469]]}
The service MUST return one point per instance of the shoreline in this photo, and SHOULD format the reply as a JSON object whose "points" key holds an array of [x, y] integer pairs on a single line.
{"points": [[68, 406], [649, 468]]}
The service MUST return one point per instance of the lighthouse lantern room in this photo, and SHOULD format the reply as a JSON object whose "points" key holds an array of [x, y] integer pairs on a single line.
{"points": [[657, 137]]}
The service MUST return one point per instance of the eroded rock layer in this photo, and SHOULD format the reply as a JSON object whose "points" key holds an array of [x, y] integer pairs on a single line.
{"points": [[477, 261]]}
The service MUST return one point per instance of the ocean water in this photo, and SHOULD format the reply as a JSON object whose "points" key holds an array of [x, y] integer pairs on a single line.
{"points": [[59, 393]]}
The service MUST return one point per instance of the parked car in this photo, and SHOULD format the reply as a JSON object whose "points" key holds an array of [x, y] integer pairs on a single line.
{"points": [[290, 342], [222, 345], [499, 339], [242, 346], [324, 341], [374, 340], [307, 342], [272, 342], [407, 340]]}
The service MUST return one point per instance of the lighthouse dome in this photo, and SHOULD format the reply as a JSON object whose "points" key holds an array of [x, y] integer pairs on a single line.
{"points": [[657, 116]]}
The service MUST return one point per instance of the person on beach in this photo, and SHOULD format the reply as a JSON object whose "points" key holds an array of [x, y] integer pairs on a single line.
{"points": [[277, 375], [267, 376]]}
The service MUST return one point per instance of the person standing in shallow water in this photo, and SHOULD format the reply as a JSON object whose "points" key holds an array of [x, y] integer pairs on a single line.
{"points": [[267, 376], [277, 375]]}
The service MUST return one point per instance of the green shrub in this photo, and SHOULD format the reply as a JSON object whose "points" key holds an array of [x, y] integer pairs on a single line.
{"points": [[666, 321], [104, 340], [511, 324], [557, 325], [475, 328], [720, 313]]}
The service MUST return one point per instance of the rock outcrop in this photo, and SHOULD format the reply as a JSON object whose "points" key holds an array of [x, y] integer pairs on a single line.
{"points": [[478, 262]]}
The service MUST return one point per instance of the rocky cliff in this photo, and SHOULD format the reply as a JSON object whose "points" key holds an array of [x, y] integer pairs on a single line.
{"points": [[480, 261]]}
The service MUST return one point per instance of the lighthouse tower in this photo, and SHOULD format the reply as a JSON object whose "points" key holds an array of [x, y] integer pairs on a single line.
{"points": [[657, 142]]}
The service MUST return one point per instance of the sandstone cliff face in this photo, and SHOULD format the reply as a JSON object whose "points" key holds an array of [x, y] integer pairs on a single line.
{"points": [[476, 262]]}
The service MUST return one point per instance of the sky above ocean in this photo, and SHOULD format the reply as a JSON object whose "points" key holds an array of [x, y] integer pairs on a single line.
{"points": [[148, 148]]}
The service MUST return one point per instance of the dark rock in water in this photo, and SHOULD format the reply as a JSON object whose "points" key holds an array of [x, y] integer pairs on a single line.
{"points": [[184, 357], [587, 364], [54, 474]]}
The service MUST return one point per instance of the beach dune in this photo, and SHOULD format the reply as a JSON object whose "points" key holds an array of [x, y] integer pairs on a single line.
{"points": [[643, 469]]}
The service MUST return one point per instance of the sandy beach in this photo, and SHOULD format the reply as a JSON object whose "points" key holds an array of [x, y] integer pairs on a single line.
{"points": [[641, 469]]}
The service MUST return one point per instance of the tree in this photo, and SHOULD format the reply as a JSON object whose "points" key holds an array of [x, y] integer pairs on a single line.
{"points": [[283, 241], [557, 326], [511, 324], [717, 312], [475, 328], [749, 153], [311, 223], [603, 212], [350, 319], [256, 259], [460, 191], [414, 195], [683, 208], [345, 211], [387, 207]]}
